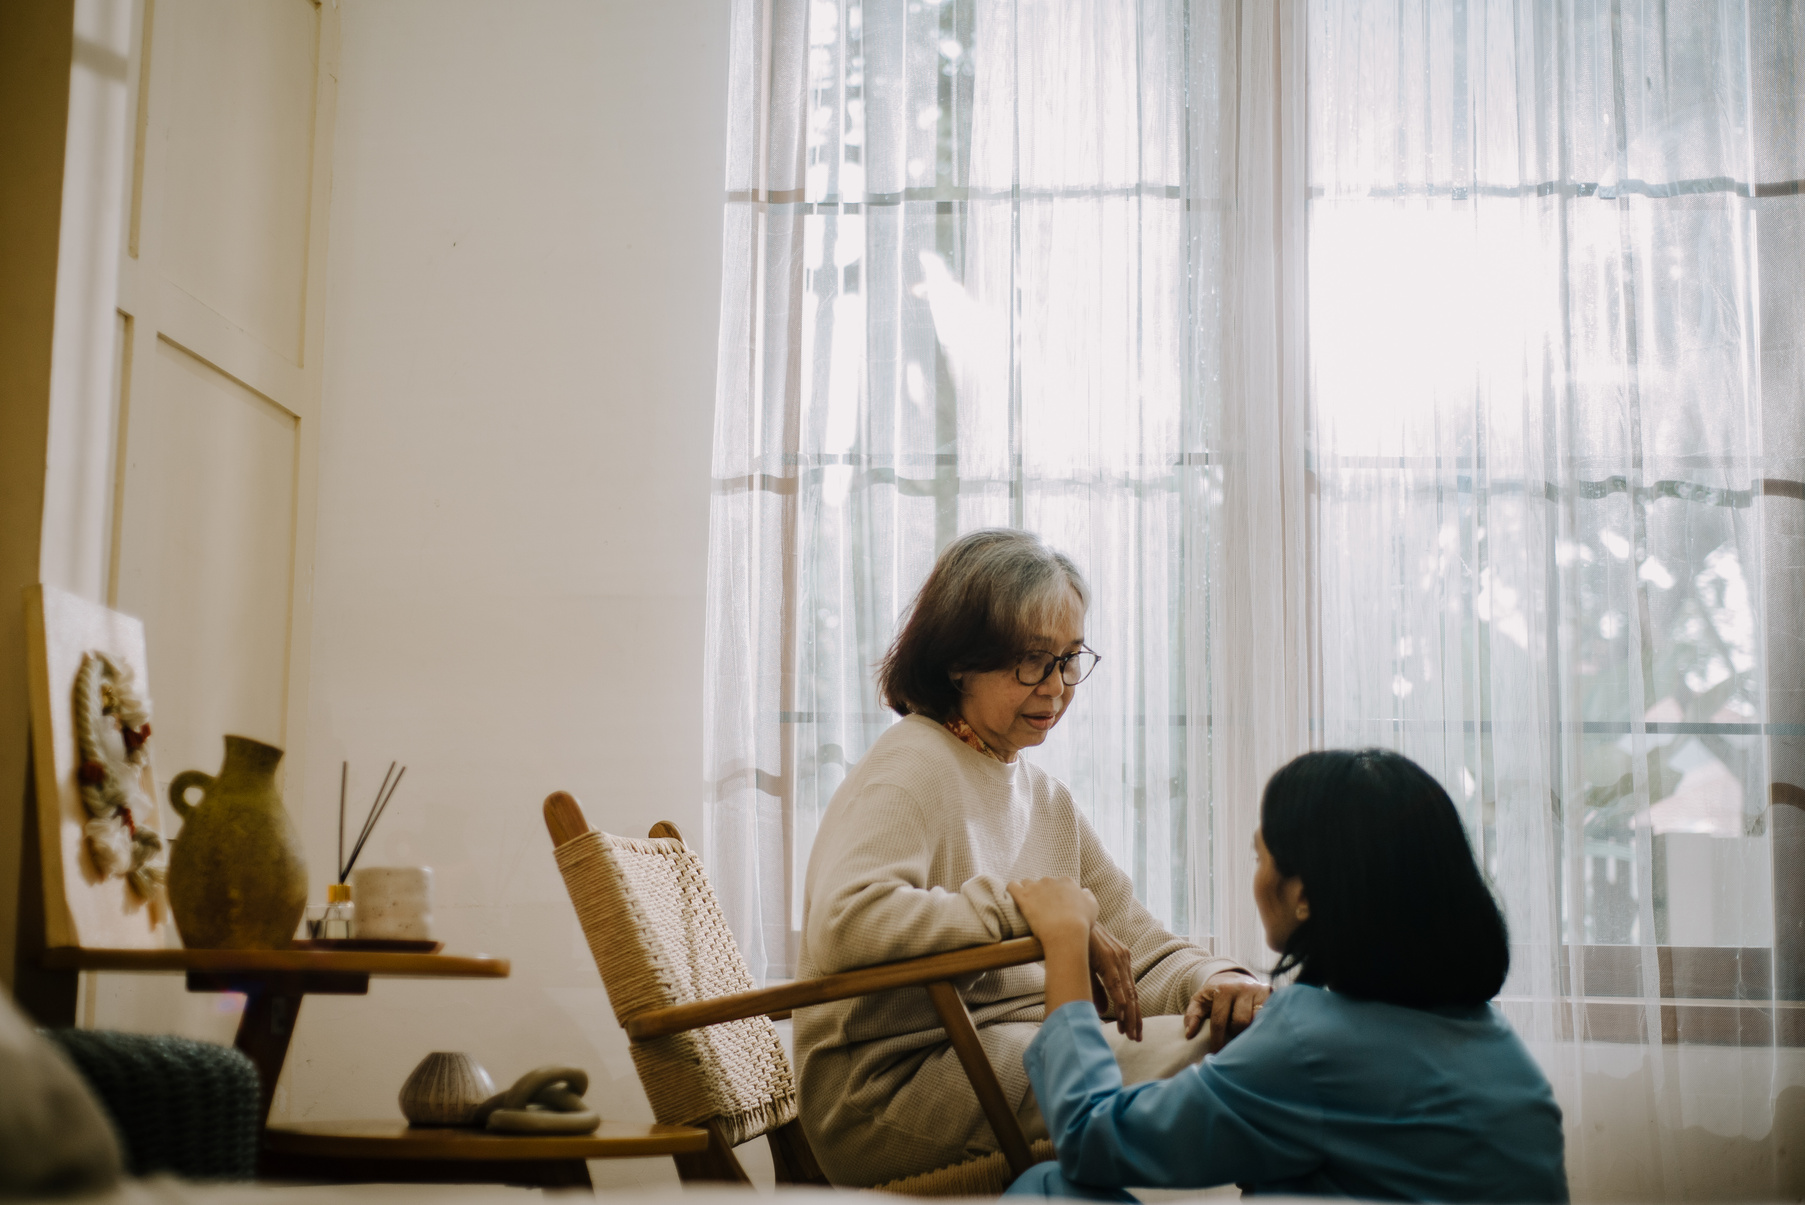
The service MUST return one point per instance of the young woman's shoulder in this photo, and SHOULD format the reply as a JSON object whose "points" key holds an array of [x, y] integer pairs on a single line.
{"points": [[1331, 1013], [1372, 1043]]}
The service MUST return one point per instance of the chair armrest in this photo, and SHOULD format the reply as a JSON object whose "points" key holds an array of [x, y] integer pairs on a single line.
{"points": [[884, 977]]}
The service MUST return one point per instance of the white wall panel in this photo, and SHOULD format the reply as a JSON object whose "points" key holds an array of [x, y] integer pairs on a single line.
{"points": [[223, 205], [237, 85], [78, 482], [206, 556]]}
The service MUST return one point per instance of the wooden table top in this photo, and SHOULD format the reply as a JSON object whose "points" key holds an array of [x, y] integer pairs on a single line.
{"points": [[398, 1140], [366, 962]]}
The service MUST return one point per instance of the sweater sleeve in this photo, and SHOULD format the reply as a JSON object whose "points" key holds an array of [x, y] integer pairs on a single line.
{"points": [[875, 905], [1168, 970], [1249, 1117]]}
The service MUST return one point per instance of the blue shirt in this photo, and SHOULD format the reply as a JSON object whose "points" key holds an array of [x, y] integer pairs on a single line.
{"points": [[1322, 1095]]}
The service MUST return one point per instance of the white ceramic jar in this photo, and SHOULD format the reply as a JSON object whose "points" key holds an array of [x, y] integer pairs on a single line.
{"points": [[394, 903]]}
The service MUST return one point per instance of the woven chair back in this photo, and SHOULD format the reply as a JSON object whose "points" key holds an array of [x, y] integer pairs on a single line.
{"points": [[659, 939]]}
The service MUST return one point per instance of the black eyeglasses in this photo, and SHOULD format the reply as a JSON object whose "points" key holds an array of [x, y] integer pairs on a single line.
{"points": [[1035, 668]]}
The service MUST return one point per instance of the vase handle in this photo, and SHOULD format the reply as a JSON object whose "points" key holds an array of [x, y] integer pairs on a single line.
{"points": [[178, 791]]}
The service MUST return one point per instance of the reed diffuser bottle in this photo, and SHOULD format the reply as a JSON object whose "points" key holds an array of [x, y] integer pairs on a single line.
{"points": [[340, 921]]}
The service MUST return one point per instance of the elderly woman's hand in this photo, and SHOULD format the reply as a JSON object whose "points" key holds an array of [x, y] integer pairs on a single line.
{"points": [[1228, 1001], [1112, 981]]}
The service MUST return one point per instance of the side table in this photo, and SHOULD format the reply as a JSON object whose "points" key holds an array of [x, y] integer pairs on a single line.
{"points": [[391, 1151], [274, 983]]}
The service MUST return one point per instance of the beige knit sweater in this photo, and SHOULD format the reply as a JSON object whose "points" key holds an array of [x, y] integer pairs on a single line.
{"points": [[913, 857]]}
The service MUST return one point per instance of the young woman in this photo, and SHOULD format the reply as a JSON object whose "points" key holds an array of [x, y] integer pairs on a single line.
{"points": [[1383, 1072]]}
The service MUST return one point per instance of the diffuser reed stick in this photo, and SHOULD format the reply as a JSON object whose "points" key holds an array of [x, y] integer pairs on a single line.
{"points": [[344, 771], [384, 793]]}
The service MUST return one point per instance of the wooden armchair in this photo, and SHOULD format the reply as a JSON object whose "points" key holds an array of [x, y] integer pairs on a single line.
{"points": [[702, 1038]]}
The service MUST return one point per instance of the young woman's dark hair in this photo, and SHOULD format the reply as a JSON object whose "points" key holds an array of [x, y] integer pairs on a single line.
{"points": [[1398, 909]]}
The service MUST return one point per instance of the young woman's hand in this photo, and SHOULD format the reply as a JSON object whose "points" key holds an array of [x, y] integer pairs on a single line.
{"points": [[1062, 914], [1228, 1001], [1055, 906], [1112, 981]]}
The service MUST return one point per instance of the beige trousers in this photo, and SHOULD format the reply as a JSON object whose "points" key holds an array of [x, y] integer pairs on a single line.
{"points": [[1162, 1052], [930, 1117]]}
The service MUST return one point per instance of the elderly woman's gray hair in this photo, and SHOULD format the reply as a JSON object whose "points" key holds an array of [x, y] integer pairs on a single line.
{"points": [[991, 592]]}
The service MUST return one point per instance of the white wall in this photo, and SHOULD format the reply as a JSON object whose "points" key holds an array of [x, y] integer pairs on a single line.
{"points": [[523, 289]]}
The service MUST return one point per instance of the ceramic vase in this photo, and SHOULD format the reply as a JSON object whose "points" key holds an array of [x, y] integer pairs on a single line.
{"points": [[445, 1090], [236, 878]]}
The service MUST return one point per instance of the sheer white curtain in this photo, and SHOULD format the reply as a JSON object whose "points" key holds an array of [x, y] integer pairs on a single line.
{"points": [[977, 274], [1555, 331]]}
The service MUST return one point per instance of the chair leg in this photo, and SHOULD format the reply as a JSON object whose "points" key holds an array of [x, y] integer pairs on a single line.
{"points": [[715, 1164], [792, 1156], [957, 1020]]}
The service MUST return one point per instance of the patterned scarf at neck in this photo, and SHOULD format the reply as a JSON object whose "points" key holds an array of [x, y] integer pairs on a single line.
{"points": [[959, 728]]}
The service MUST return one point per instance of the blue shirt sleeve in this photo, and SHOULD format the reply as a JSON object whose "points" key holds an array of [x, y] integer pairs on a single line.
{"points": [[1247, 1114]]}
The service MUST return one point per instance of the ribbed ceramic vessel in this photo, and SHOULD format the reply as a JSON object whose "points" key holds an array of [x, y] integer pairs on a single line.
{"points": [[445, 1090]]}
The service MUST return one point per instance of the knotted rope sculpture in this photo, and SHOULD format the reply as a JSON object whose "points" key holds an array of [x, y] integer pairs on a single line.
{"points": [[112, 740], [547, 1100]]}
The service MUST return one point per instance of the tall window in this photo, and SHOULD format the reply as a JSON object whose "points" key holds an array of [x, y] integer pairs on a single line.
{"points": [[1555, 325], [1423, 373], [973, 279]]}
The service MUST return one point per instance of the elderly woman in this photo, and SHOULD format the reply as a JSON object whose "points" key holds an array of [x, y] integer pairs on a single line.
{"points": [[914, 856]]}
